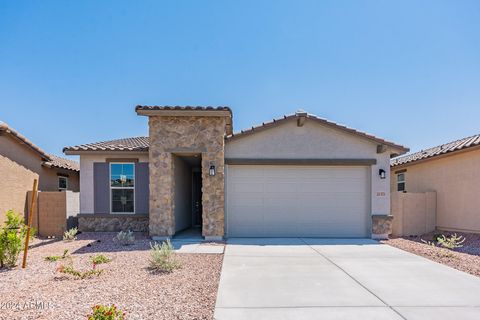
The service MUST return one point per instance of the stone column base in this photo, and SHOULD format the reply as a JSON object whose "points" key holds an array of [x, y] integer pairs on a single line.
{"points": [[381, 226], [112, 222]]}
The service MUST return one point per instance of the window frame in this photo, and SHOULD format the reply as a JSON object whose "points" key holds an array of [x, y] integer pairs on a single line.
{"points": [[66, 183], [404, 182], [121, 188]]}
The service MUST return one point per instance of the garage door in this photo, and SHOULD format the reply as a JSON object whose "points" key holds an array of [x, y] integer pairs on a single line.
{"points": [[297, 201]]}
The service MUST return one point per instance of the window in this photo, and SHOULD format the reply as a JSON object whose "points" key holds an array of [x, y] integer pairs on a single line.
{"points": [[62, 183], [122, 187], [401, 182]]}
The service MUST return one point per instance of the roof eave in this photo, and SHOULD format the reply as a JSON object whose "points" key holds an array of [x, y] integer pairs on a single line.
{"points": [[71, 152]]}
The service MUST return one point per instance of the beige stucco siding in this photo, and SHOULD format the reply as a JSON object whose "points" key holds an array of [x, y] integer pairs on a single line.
{"points": [[455, 178], [19, 166], [316, 141], [86, 174]]}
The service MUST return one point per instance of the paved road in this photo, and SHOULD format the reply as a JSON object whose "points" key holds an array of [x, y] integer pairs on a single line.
{"points": [[295, 278]]}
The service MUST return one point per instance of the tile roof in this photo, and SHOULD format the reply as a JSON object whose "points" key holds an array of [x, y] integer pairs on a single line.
{"points": [[301, 113], [63, 163], [190, 108], [450, 147], [49, 159], [126, 144]]}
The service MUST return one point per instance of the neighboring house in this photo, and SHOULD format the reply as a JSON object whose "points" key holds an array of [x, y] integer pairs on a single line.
{"points": [[452, 170], [21, 162], [295, 176]]}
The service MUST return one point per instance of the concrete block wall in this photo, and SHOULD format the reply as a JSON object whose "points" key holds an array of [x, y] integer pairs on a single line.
{"points": [[53, 211]]}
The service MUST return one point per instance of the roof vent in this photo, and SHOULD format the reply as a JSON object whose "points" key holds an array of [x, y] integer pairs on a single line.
{"points": [[301, 113], [301, 117]]}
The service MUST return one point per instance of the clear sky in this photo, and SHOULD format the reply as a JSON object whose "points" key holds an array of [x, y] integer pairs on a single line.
{"points": [[71, 72]]}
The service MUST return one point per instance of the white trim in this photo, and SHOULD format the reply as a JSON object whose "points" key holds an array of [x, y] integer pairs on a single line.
{"points": [[121, 188], [66, 183]]}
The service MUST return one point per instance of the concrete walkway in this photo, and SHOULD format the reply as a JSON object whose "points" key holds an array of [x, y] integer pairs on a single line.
{"points": [[339, 279]]}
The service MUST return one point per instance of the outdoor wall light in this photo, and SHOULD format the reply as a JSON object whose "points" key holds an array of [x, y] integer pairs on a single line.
{"points": [[211, 171], [382, 174]]}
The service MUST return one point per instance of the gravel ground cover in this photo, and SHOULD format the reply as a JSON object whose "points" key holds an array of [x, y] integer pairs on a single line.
{"points": [[41, 292], [466, 259]]}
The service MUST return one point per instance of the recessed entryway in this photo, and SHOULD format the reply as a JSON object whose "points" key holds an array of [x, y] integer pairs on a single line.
{"points": [[188, 194]]}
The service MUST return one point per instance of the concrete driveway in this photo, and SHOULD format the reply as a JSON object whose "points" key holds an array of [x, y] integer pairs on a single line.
{"points": [[339, 279]]}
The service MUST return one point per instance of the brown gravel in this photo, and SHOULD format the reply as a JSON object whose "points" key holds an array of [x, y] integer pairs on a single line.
{"points": [[187, 293], [466, 259]]}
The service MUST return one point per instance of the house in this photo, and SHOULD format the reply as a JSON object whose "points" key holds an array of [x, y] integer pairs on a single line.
{"points": [[21, 161], [295, 176], [452, 170]]}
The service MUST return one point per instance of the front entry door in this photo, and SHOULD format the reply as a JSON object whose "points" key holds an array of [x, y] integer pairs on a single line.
{"points": [[197, 199]]}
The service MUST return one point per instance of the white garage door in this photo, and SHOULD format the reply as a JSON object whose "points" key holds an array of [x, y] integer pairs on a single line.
{"points": [[294, 201]]}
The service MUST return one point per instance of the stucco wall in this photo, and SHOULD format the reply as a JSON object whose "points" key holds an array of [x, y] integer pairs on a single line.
{"points": [[19, 166], [316, 141], [86, 175], [455, 178]]}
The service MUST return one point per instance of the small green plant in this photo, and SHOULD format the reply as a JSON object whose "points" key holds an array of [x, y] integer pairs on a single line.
{"points": [[12, 237], [162, 257], [101, 312], [436, 236], [70, 235], [125, 237], [452, 242], [79, 274], [100, 258], [56, 258], [430, 243]]}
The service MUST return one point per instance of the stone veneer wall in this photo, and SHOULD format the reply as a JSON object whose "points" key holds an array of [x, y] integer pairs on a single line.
{"points": [[381, 226], [112, 222], [170, 135]]}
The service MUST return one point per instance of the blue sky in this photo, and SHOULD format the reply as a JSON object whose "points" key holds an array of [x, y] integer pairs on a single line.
{"points": [[71, 72]]}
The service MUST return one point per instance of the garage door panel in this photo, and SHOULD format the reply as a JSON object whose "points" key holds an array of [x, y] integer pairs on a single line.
{"points": [[283, 201]]}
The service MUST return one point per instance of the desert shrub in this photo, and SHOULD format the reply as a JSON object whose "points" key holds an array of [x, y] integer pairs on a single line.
{"points": [[69, 269], [162, 257], [100, 258], [101, 312], [125, 237], [452, 242], [70, 235], [12, 237], [56, 258]]}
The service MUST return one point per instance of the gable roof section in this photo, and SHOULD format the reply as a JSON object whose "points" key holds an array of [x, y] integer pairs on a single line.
{"points": [[49, 160], [461, 144], [139, 144], [303, 115]]}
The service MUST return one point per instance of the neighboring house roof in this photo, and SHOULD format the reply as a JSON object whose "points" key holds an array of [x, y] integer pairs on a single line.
{"points": [[48, 159], [302, 114], [5, 128], [62, 163], [126, 144], [450, 147]]}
